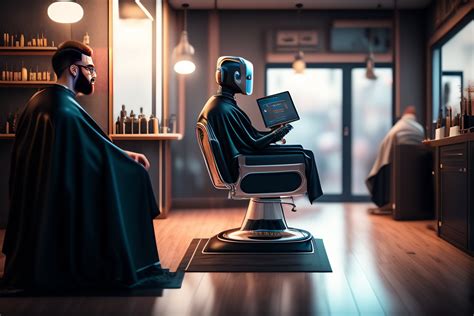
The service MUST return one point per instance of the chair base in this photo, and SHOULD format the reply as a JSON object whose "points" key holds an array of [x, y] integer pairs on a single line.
{"points": [[261, 242], [263, 230]]}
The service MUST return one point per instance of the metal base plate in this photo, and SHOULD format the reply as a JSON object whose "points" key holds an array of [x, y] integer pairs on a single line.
{"points": [[264, 243]]}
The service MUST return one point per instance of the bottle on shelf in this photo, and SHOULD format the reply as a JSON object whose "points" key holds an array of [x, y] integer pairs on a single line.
{"points": [[134, 122], [127, 122], [118, 126], [153, 125], [24, 74], [440, 118], [172, 123], [142, 123]]}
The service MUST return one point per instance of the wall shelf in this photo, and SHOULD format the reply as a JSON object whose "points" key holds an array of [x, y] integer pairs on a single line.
{"points": [[161, 136], [28, 51], [28, 84], [7, 136]]}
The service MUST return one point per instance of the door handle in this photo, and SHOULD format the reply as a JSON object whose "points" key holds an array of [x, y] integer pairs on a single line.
{"points": [[346, 131]]}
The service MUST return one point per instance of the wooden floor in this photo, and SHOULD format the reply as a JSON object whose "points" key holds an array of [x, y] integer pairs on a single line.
{"points": [[380, 266]]}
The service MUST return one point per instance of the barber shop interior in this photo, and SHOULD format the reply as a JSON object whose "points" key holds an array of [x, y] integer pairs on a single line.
{"points": [[224, 157]]}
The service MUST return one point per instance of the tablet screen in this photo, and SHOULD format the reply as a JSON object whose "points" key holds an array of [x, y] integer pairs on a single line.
{"points": [[277, 109]]}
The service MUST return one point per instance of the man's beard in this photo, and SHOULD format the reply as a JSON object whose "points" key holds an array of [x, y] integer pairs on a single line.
{"points": [[83, 85]]}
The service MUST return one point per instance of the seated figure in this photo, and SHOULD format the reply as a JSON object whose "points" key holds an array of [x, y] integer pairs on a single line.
{"points": [[81, 209], [234, 131], [406, 131]]}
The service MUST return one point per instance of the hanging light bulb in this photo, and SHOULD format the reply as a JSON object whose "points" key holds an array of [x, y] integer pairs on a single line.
{"points": [[65, 11], [370, 66], [183, 53], [299, 65]]}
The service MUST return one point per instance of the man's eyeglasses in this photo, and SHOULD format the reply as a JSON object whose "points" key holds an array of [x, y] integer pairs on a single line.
{"points": [[90, 69]]}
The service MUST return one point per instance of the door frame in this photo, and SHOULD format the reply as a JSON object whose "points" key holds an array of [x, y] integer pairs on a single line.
{"points": [[346, 68]]}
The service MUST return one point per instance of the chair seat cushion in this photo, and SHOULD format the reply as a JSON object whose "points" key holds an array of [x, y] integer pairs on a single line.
{"points": [[277, 182]]}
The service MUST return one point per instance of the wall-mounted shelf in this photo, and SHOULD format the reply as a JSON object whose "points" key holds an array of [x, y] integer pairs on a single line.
{"points": [[28, 84], [164, 136], [27, 51], [161, 136]]}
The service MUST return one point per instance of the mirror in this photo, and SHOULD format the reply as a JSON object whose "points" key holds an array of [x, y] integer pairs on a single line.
{"points": [[135, 62], [453, 67]]}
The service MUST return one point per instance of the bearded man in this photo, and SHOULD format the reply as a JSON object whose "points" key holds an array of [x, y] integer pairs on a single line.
{"points": [[81, 209]]}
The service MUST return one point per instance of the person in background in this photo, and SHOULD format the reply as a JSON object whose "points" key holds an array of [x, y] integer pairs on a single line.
{"points": [[406, 131]]}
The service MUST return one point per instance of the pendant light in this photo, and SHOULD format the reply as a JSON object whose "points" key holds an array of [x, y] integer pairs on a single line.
{"points": [[370, 61], [299, 65], [183, 53], [65, 11], [370, 66]]}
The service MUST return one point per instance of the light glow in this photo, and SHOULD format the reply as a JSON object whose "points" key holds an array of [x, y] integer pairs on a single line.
{"points": [[184, 67], [299, 65], [65, 12]]}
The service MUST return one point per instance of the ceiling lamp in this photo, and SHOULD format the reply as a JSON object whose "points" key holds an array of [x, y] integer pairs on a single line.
{"points": [[370, 66], [183, 53], [299, 65], [370, 61], [65, 11]]}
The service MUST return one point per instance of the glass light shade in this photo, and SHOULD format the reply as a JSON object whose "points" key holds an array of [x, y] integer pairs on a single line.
{"points": [[65, 11], [183, 55], [369, 69], [184, 67], [299, 65]]}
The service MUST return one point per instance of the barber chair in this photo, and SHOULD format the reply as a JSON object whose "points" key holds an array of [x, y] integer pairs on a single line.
{"points": [[412, 187], [407, 182], [266, 180]]}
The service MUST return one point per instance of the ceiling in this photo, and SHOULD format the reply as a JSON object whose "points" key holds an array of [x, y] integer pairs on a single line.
{"points": [[290, 4]]}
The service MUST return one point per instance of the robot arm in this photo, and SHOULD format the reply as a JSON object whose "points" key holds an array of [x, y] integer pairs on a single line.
{"points": [[273, 136]]}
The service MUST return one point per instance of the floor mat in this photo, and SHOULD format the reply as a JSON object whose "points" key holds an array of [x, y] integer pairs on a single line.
{"points": [[196, 261]]}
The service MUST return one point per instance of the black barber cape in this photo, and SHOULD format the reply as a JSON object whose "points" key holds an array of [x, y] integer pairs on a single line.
{"points": [[236, 135], [80, 209]]}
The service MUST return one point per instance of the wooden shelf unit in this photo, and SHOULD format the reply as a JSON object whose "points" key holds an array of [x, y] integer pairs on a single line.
{"points": [[7, 136], [27, 84], [161, 136], [28, 51]]}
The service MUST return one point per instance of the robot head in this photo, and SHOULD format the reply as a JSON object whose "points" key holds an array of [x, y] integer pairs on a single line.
{"points": [[235, 73]]}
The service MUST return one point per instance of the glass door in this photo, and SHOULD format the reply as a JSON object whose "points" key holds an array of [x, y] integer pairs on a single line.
{"points": [[344, 117], [371, 109], [318, 97]]}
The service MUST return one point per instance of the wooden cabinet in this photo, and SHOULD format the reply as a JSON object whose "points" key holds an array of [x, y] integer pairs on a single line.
{"points": [[453, 200], [454, 174]]}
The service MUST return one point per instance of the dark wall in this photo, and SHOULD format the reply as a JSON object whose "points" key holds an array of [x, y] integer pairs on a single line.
{"points": [[243, 33]]}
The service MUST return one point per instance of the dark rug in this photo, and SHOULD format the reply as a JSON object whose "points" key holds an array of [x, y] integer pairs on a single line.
{"points": [[196, 261], [151, 286]]}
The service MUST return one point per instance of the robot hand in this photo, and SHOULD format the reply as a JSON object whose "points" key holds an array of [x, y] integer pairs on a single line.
{"points": [[282, 131]]}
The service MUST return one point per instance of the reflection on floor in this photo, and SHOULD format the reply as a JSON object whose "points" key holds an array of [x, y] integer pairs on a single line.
{"points": [[380, 267]]}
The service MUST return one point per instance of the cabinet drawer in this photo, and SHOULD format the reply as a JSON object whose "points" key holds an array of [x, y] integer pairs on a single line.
{"points": [[453, 155]]}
